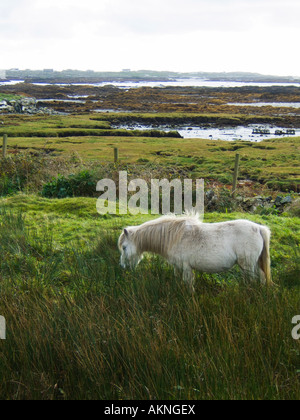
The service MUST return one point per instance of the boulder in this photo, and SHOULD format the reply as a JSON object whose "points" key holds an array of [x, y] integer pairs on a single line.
{"points": [[25, 106], [286, 200], [278, 200]]}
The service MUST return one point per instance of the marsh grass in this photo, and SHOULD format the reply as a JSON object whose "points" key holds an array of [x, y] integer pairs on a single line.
{"points": [[273, 161], [79, 327]]}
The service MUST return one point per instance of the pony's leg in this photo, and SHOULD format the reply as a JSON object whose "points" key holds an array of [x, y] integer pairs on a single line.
{"points": [[261, 275], [258, 274], [249, 269], [177, 272], [189, 278]]}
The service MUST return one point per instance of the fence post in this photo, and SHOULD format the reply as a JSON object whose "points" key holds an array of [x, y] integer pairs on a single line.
{"points": [[116, 154], [4, 147], [236, 173]]}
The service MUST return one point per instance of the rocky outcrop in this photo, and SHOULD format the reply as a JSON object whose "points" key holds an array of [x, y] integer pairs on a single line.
{"points": [[258, 203], [215, 201], [27, 106]]}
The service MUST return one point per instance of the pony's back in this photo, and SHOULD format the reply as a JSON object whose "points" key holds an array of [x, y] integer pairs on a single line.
{"points": [[161, 234]]}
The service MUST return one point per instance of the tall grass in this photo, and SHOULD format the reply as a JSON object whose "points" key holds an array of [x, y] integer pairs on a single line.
{"points": [[78, 327]]}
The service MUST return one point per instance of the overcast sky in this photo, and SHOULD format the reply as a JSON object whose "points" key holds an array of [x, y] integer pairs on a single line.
{"points": [[177, 35]]}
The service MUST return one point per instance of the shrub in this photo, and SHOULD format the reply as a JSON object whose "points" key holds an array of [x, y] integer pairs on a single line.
{"points": [[17, 171], [57, 188], [220, 200], [8, 185], [82, 184]]}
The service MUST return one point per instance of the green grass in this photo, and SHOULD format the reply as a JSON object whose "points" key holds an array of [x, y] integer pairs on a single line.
{"points": [[8, 97], [266, 162], [218, 117], [79, 327]]}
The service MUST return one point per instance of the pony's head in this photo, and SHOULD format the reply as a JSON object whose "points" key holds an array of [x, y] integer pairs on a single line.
{"points": [[130, 257]]}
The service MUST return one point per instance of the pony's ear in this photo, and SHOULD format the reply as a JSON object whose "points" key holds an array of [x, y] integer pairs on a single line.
{"points": [[126, 233]]}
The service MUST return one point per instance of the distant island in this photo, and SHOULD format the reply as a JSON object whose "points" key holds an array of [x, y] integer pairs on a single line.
{"points": [[78, 76]]}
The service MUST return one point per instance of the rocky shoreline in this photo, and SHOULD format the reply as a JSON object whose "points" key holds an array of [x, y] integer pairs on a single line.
{"points": [[28, 106], [159, 100]]}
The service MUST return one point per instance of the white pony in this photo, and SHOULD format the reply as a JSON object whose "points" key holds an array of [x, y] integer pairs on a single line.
{"points": [[190, 245]]}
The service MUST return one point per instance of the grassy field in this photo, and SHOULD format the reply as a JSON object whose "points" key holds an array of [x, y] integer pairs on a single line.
{"points": [[78, 327], [268, 161]]}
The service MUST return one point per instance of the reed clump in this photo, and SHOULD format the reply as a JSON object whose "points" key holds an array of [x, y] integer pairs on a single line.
{"points": [[79, 327]]}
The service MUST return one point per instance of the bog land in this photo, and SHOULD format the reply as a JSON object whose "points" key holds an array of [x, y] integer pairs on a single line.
{"points": [[80, 327]]}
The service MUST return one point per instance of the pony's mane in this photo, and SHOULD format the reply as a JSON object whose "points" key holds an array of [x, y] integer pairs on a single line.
{"points": [[161, 234]]}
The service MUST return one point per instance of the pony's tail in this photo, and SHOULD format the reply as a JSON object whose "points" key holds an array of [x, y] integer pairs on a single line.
{"points": [[264, 259]]}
